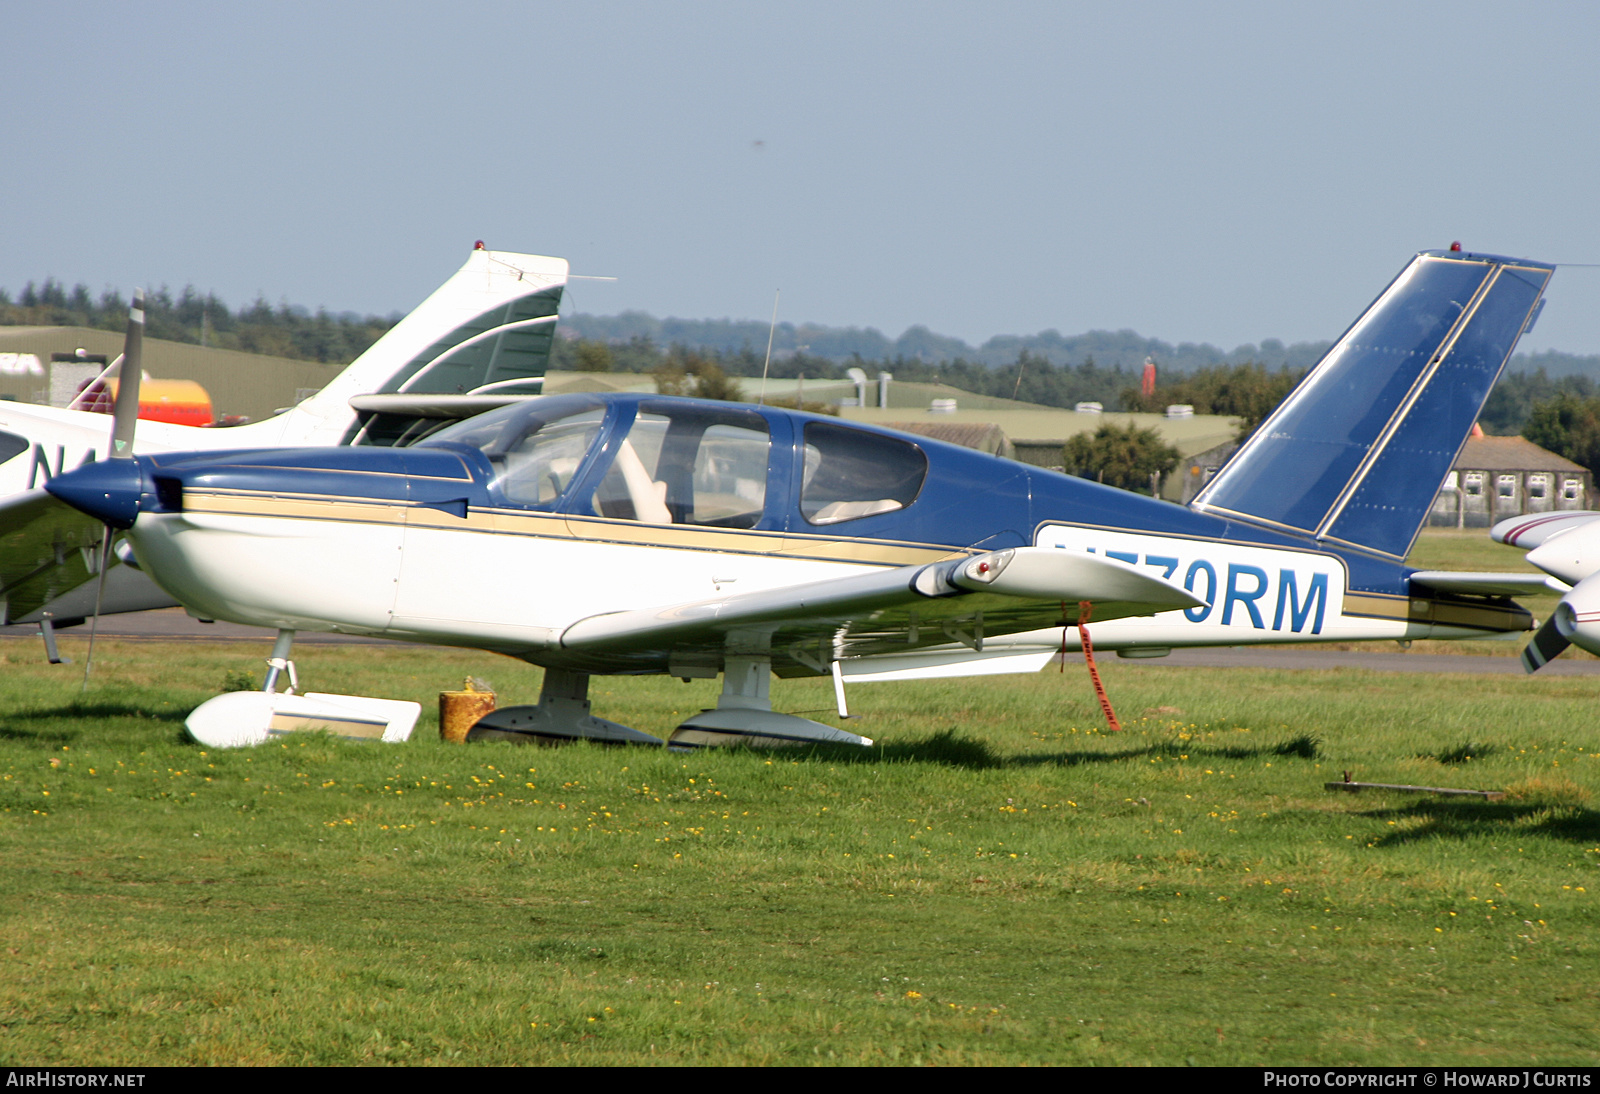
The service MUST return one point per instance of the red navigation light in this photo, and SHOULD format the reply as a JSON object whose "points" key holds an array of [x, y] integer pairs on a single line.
{"points": [[478, 246], [1456, 246]]}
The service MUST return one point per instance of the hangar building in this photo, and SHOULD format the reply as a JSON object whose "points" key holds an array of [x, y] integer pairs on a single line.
{"points": [[251, 385]]}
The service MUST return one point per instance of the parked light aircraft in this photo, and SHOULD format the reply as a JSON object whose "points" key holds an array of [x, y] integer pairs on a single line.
{"points": [[476, 342], [1567, 547], [643, 534]]}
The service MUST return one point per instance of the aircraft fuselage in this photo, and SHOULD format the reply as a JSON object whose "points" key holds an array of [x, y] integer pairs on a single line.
{"points": [[441, 543]]}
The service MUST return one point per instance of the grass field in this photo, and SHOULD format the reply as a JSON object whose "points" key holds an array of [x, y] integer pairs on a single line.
{"points": [[1000, 881]]}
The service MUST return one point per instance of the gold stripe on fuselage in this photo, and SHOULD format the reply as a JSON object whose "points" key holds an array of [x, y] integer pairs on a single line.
{"points": [[684, 537]]}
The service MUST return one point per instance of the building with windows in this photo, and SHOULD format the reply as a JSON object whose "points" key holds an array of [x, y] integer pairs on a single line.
{"points": [[1499, 477]]}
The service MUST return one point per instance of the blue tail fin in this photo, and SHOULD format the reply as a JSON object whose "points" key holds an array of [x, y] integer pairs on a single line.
{"points": [[1355, 455]]}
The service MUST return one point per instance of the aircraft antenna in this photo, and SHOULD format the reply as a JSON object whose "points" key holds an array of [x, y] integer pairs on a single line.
{"points": [[761, 400]]}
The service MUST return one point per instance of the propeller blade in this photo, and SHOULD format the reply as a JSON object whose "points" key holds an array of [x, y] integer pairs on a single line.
{"points": [[1546, 646], [104, 550], [124, 419], [125, 412]]}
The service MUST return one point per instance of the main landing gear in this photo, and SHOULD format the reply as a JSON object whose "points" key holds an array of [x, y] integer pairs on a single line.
{"points": [[743, 714]]}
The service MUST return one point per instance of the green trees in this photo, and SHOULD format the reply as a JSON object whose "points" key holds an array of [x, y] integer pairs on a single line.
{"points": [[568, 354], [1569, 426], [192, 317], [1512, 401], [686, 373], [591, 357], [1121, 456], [1248, 392]]}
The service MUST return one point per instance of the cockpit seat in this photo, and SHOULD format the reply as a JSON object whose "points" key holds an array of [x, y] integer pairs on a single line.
{"points": [[649, 497], [837, 511]]}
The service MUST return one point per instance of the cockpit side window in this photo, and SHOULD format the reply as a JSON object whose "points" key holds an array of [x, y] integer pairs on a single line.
{"points": [[689, 465], [535, 450], [850, 474]]}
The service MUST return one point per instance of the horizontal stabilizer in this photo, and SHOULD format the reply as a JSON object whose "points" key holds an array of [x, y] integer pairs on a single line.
{"points": [[491, 325], [1534, 529], [1487, 584], [434, 406]]}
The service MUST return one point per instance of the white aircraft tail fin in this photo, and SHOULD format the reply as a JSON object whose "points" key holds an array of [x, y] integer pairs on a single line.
{"points": [[491, 325]]}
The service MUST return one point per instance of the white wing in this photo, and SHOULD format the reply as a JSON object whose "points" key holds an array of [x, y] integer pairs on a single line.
{"points": [[884, 613]]}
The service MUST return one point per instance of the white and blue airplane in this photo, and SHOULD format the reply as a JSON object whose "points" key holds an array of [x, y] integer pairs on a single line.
{"points": [[479, 341], [632, 534]]}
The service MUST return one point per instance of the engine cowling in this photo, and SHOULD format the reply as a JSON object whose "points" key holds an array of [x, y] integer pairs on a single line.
{"points": [[1577, 617], [1571, 555]]}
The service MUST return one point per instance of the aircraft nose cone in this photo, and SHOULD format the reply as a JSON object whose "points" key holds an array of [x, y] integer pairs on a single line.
{"points": [[108, 491]]}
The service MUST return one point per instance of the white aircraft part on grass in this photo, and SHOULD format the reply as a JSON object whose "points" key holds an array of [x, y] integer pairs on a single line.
{"points": [[239, 719]]}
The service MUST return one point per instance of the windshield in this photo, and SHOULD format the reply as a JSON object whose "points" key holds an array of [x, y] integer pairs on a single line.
{"points": [[535, 447]]}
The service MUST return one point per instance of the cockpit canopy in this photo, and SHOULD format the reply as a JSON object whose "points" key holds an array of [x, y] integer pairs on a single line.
{"points": [[679, 461]]}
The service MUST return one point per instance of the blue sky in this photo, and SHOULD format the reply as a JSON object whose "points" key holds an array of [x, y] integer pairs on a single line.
{"points": [[1207, 172]]}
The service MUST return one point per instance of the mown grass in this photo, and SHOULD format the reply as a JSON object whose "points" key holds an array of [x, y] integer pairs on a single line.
{"points": [[999, 881]]}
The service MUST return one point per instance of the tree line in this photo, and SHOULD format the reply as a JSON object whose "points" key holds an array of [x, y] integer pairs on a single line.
{"points": [[1555, 404], [201, 319], [1568, 425], [843, 344], [1559, 413]]}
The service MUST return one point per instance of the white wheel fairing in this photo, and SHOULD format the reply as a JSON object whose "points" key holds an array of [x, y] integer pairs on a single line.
{"points": [[237, 719], [241, 719]]}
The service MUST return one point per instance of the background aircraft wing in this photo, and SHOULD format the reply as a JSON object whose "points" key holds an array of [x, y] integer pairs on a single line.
{"points": [[49, 552], [426, 405], [889, 611]]}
